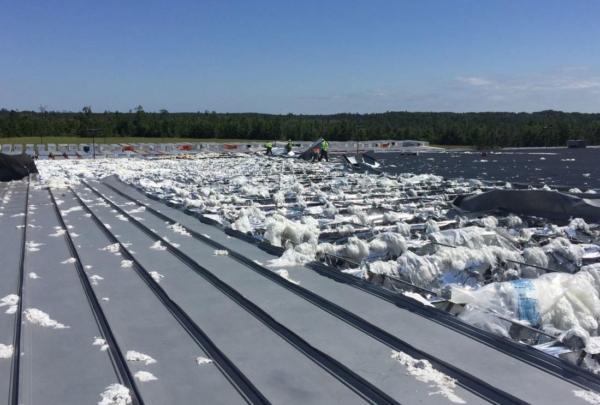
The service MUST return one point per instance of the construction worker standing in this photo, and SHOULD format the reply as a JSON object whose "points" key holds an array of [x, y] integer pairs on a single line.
{"points": [[269, 147], [324, 150], [288, 147], [315, 154]]}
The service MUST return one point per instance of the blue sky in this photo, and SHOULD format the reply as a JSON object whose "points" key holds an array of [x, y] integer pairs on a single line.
{"points": [[301, 56]]}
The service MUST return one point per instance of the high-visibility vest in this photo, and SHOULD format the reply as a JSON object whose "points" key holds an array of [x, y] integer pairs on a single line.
{"points": [[325, 146], [268, 145]]}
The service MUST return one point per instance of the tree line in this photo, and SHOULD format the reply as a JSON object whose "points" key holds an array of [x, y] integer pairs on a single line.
{"points": [[485, 129]]}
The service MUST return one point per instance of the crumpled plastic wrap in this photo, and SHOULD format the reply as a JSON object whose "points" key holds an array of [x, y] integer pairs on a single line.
{"points": [[554, 302]]}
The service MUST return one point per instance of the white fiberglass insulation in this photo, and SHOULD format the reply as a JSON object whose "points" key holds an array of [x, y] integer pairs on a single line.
{"points": [[470, 236], [424, 372], [6, 351], [10, 302], [377, 224], [411, 267], [145, 376], [115, 394], [98, 341], [201, 360], [295, 255], [588, 396], [38, 317], [561, 246], [132, 355], [553, 301], [280, 230]]}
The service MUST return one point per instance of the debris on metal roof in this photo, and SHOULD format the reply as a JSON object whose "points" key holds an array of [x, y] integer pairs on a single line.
{"points": [[168, 284]]}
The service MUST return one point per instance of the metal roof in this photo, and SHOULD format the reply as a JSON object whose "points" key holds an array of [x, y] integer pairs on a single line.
{"points": [[118, 281]]}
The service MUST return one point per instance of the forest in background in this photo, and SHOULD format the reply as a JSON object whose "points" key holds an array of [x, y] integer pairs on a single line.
{"points": [[482, 129]]}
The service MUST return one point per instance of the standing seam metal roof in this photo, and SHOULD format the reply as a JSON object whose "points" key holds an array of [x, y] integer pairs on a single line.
{"points": [[217, 328]]}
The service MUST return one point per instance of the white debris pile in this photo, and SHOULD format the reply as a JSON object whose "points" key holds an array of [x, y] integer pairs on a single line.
{"points": [[114, 248], [59, 232], [471, 237], [479, 261], [248, 219], [115, 394], [158, 246], [156, 276], [537, 257], [424, 372], [433, 271], [295, 255], [10, 301], [280, 230], [6, 351], [201, 360], [417, 270], [126, 264], [355, 249], [98, 341], [95, 278], [554, 302], [133, 355], [72, 209], [145, 376], [179, 229], [588, 396], [38, 317], [33, 246], [562, 248]]}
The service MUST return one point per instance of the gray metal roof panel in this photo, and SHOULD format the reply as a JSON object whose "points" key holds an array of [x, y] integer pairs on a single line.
{"points": [[84, 370], [273, 334], [11, 231], [281, 372], [142, 323]]}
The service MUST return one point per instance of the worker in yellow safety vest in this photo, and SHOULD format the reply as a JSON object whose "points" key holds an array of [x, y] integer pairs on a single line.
{"points": [[269, 147], [324, 150], [288, 147]]}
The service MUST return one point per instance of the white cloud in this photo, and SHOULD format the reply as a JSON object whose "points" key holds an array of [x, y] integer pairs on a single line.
{"points": [[475, 81], [576, 84], [565, 89], [572, 89], [534, 83]]}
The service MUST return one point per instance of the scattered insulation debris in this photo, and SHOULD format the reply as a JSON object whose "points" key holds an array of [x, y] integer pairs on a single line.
{"points": [[424, 372], [132, 355], [400, 231], [115, 394], [200, 360], [145, 376], [38, 317], [6, 351]]}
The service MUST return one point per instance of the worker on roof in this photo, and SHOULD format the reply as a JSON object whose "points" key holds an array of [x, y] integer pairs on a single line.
{"points": [[324, 150], [269, 147], [315, 154], [288, 147]]}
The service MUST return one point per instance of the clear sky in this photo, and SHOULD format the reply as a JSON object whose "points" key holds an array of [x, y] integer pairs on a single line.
{"points": [[301, 56]]}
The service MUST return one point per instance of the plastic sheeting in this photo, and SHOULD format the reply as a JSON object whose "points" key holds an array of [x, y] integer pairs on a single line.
{"points": [[554, 302], [15, 167], [539, 203], [471, 237]]}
